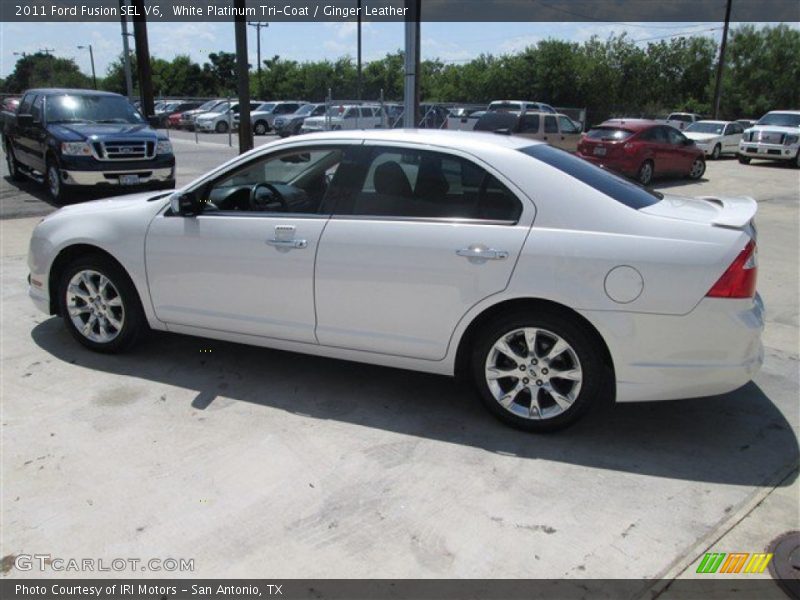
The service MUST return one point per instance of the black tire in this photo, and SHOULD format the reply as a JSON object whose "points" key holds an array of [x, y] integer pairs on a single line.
{"points": [[697, 171], [14, 172], [221, 127], [745, 160], [58, 191], [645, 173], [134, 323], [260, 128], [593, 371], [716, 152]]}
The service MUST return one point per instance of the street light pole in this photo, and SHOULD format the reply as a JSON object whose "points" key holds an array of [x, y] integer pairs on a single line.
{"points": [[358, 84], [91, 57], [258, 25], [721, 63]]}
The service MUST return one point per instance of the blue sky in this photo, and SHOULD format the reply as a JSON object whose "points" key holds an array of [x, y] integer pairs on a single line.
{"points": [[452, 42]]}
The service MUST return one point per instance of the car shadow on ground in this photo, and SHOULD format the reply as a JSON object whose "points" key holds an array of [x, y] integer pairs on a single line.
{"points": [[739, 438]]}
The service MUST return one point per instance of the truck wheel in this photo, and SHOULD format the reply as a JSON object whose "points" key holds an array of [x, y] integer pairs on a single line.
{"points": [[222, 127], [745, 160], [797, 160], [260, 128], [14, 172], [58, 191]]}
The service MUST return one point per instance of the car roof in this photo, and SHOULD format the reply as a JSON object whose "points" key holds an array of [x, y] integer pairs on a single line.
{"points": [[72, 92], [464, 140]]}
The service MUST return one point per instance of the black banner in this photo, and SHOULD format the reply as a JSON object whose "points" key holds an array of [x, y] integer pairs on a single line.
{"points": [[597, 11], [708, 588]]}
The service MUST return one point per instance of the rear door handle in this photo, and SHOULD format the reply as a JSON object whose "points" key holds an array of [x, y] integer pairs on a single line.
{"points": [[290, 244], [481, 251]]}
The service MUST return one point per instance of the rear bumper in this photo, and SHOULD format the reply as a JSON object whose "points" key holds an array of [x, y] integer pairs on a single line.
{"points": [[626, 166], [768, 151], [713, 350]]}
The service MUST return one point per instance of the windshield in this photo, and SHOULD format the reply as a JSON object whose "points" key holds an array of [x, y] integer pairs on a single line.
{"points": [[91, 109], [208, 105], [266, 107], [505, 106], [780, 120], [701, 127], [613, 134], [620, 189], [306, 109]]}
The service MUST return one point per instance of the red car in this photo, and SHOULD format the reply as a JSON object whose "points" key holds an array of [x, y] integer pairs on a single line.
{"points": [[642, 149], [173, 121]]}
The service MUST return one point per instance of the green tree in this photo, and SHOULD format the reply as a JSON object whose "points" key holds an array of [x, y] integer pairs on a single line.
{"points": [[44, 70]]}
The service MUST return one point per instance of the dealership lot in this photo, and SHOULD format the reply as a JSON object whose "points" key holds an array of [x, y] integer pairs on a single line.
{"points": [[250, 460]]}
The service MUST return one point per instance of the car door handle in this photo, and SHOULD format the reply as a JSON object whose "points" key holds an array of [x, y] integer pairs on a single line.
{"points": [[480, 251], [290, 244]]}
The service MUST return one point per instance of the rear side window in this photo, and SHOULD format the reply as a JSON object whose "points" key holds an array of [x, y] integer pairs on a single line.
{"points": [[421, 184], [611, 134], [529, 124], [550, 125], [622, 190]]}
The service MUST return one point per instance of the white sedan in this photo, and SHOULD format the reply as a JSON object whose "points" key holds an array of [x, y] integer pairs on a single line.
{"points": [[551, 283], [716, 138]]}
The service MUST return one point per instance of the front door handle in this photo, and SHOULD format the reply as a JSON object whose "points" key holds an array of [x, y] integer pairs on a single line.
{"points": [[481, 251], [290, 244]]}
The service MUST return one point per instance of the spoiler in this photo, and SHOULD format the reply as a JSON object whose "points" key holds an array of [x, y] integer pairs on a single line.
{"points": [[734, 212]]}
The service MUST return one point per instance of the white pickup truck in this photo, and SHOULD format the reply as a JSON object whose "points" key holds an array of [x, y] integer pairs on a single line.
{"points": [[681, 120], [776, 136]]}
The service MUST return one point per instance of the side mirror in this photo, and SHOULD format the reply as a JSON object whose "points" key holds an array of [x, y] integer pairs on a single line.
{"points": [[25, 120], [185, 204]]}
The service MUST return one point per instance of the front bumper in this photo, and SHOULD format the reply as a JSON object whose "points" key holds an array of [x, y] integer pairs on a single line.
{"points": [[112, 176], [713, 350], [768, 151]]}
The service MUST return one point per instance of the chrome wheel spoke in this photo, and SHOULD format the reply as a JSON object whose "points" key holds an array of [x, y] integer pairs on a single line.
{"points": [[503, 347], [563, 401], [115, 301], [494, 373], [530, 342], [76, 311], [508, 398], [94, 306], [78, 292], [570, 374], [86, 278], [557, 349], [115, 323], [88, 327], [535, 410], [102, 286]]}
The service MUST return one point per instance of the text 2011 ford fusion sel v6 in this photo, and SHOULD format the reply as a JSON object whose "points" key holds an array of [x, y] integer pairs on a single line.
{"points": [[548, 280]]}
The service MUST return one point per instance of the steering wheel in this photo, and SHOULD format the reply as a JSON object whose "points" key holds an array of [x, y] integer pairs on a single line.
{"points": [[258, 204]]}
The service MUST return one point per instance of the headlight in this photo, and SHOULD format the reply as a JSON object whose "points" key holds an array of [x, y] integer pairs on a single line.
{"points": [[164, 147], [790, 139], [76, 149]]}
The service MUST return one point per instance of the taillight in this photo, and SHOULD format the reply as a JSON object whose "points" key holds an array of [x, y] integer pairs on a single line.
{"points": [[739, 281]]}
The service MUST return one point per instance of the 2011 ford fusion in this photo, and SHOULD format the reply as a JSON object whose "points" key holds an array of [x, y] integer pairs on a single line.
{"points": [[552, 283]]}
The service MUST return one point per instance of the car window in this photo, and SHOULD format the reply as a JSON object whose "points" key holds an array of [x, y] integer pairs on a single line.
{"points": [[422, 184], [619, 188], [567, 125], [529, 124], [293, 181], [675, 137], [36, 108], [25, 105], [609, 133], [550, 125]]}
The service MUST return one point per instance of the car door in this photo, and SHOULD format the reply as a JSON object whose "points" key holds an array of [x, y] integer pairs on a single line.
{"points": [[569, 134], [245, 264], [24, 143], [733, 133], [529, 126], [551, 133], [416, 239], [681, 153]]}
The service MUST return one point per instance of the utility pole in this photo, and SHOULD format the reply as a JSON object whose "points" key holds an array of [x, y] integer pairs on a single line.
{"points": [[358, 84], [259, 25], [143, 59], [126, 51], [91, 58], [243, 78], [721, 63], [47, 51], [412, 65]]}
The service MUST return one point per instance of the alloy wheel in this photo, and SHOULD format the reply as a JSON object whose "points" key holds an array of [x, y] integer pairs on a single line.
{"points": [[95, 306], [533, 373], [646, 173], [717, 151], [698, 168], [53, 181]]}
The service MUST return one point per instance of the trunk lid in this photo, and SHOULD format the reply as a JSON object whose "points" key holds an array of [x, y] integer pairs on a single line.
{"points": [[732, 212]]}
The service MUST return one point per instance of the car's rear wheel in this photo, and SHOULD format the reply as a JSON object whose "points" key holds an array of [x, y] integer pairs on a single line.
{"points": [[14, 172], [645, 173], [745, 160], [716, 152], [221, 127], [260, 128], [99, 304], [537, 371], [698, 169]]}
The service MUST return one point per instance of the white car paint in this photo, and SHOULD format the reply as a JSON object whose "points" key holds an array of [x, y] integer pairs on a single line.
{"points": [[393, 291], [708, 135], [346, 117]]}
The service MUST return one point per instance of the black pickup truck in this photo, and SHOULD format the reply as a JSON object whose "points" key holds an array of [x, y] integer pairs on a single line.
{"points": [[83, 139]]}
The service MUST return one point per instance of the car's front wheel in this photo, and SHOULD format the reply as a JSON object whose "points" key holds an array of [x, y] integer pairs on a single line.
{"points": [[745, 160], [698, 168], [56, 188], [260, 128], [716, 152], [537, 371], [99, 304], [221, 127]]}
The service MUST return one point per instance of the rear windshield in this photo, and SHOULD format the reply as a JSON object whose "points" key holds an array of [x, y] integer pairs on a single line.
{"points": [[609, 133], [620, 189]]}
